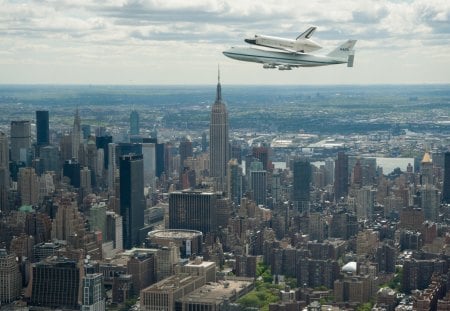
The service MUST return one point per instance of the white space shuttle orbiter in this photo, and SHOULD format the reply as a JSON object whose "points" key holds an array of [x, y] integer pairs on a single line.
{"points": [[302, 44]]}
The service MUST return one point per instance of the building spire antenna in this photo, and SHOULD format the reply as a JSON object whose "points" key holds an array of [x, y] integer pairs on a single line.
{"points": [[219, 88], [218, 73]]}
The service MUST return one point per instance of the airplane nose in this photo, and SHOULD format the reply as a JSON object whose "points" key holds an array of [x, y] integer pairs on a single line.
{"points": [[251, 41]]}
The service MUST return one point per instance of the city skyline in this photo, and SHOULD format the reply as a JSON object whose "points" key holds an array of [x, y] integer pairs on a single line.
{"points": [[147, 42]]}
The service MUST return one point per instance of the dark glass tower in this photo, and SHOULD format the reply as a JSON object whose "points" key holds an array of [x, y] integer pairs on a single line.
{"points": [[218, 135], [102, 143], [132, 202], [446, 187], [20, 140], [42, 128], [134, 123], [193, 210], [302, 181], [55, 284], [341, 176]]}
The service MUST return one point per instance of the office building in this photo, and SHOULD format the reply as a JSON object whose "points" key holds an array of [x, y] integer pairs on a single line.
{"points": [[341, 176], [365, 202], [446, 186], [142, 268], [430, 201], [28, 186], [56, 283], [164, 294], [49, 156], [134, 123], [71, 170], [102, 142], [192, 210], [185, 151], [219, 152], [10, 278], [149, 159], [258, 183], [262, 154], [167, 260], [93, 293], [301, 185], [114, 230], [234, 181], [42, 128], [4, 172], [132, 201], [85, 181], [20, 141], [76, 135]]}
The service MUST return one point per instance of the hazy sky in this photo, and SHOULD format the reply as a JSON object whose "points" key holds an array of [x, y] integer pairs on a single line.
{"points": [[181, 41]]}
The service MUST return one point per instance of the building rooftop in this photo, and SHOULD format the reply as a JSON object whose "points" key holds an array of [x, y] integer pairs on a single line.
{"points": [[173, 282], [175, 233], [212, 292]]}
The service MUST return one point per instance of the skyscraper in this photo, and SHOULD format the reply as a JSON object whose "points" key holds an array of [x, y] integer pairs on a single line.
{"points": [[234, 181], [132, 202], [102, 143], [4, 172], [55, 284], [10, 278], [149, 158], [93, 296], [185, 150], [258, 182], [341, 176], [301, 186], [20, 140], [134, 123], [76, 135], [42, 128], [193, 210], [446, 187], [218, 136], [28, 186]]}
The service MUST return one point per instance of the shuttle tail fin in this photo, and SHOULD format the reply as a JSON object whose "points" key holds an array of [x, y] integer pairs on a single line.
{"points": [[307, 34], [344, 51]]}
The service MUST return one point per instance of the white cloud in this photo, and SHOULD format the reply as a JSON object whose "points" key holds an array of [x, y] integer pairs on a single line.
{"points": [[170, 39]]}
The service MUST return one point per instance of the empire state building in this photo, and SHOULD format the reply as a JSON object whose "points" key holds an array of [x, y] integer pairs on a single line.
{"points": [[219, 144]]}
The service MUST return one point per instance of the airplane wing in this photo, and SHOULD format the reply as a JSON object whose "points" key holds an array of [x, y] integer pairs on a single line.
{"points": [[308, 33]]}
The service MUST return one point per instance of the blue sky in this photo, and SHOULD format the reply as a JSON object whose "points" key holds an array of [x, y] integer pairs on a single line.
{"points": [[181, 42]]}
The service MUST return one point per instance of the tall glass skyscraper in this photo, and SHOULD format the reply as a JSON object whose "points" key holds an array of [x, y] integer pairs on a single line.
{"points": [[42, 128], [134, 123], [132, 201], [20, 140], [302, 181], [219, 153], [76, 135], [446, 186]]}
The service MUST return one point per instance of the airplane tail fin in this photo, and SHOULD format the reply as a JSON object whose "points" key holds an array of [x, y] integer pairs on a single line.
{"points": [[344, 50], [307, 34]]}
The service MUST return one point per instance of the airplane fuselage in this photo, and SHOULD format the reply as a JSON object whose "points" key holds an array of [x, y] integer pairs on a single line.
{"points": [[278, 58]]}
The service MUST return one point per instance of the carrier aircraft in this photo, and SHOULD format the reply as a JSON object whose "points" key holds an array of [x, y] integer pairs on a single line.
{"points": [[343, 54]]}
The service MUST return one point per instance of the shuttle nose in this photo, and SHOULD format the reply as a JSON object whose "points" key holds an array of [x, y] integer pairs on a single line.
{"points": [[251, 41]]}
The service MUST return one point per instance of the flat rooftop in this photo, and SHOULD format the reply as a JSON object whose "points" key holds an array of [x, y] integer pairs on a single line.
{"points": [[212, 292]]}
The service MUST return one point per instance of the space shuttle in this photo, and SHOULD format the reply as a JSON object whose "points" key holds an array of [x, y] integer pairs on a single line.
{"points": [[302, 44]]}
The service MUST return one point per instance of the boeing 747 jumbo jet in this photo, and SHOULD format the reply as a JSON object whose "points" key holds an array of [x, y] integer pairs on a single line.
{"points": [[302, 43], [283, 60]]}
